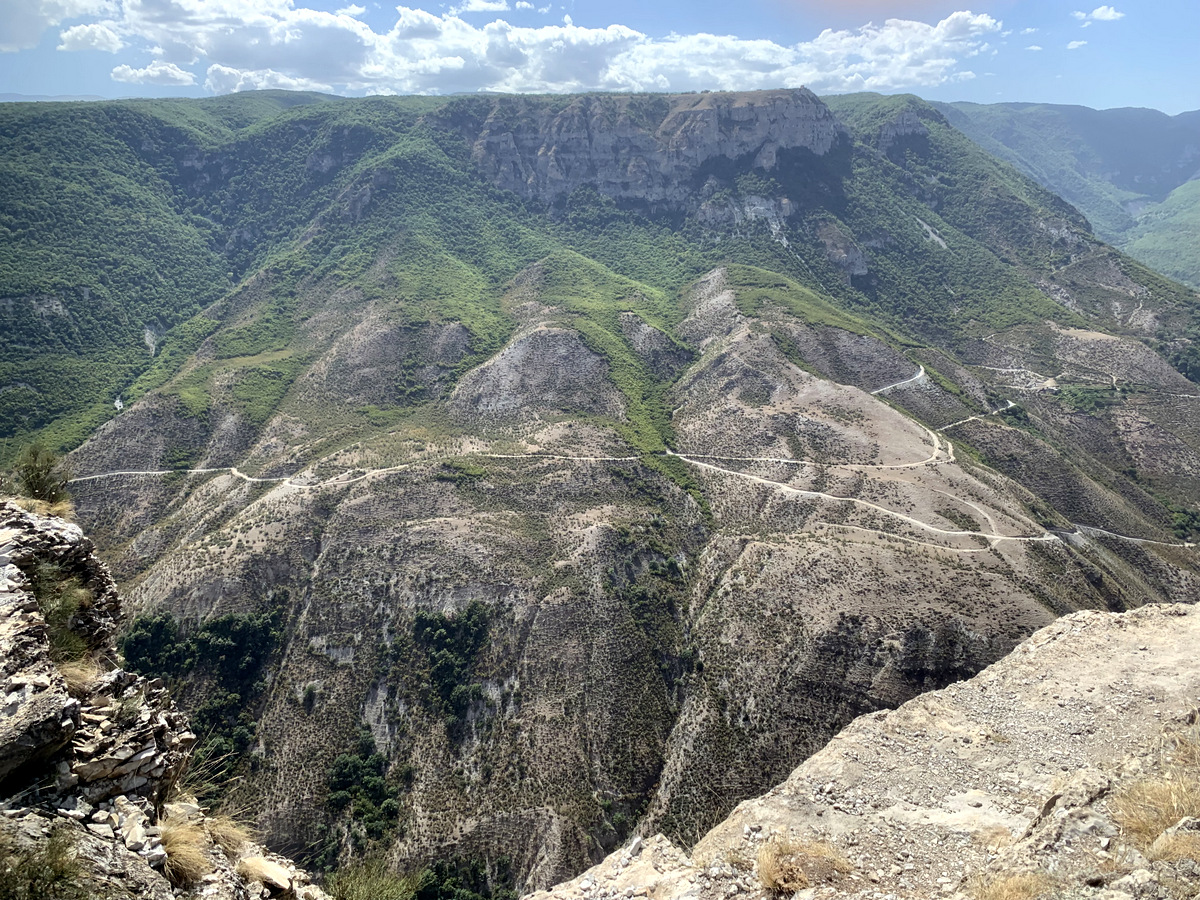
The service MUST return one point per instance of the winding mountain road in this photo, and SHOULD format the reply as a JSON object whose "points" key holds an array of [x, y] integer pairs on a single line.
{"points": [[992, 537], [920, 375]]}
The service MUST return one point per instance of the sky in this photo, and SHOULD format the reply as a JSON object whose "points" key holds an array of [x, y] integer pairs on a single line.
{"points": [[1130, 53]]}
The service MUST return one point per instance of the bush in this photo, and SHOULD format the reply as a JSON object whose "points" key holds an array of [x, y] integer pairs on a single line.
{"points": [[40, 474]]}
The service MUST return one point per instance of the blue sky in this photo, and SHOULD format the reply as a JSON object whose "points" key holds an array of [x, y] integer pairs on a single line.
{"points": [[1133, 53]]}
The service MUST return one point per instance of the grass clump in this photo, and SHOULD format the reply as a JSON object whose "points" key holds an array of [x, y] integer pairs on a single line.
{"points": [[371, 879], [228, 833], [1018, 886], [80, 674], [39, 474], [186, 845], [1144, 809], [786, 865], [59, 598], [51, 871]]}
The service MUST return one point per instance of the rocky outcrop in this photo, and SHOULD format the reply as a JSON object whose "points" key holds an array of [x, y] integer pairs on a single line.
{"points": [[96, 755], [650, 149], [544, 370], [1023, 775]]}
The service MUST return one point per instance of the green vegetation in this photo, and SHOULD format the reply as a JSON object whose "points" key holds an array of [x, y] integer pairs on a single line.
{"points": [[49, 871], [217, 670], [60, 596], [1127, 170], [1165, 235], [450, 645], [40, 474], [358, 784], [460, 879]]}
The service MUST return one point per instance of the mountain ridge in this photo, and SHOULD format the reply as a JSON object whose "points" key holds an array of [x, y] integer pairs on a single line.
{"points": [[595, 515]]}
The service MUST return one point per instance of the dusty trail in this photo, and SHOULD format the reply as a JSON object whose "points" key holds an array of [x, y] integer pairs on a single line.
{"points": [[994, 412], [821, 495], [920, 374], [992, 537]]}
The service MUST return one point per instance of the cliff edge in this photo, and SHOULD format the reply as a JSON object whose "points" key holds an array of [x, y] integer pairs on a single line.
{"points": [[94, 759], [1070, 768]]}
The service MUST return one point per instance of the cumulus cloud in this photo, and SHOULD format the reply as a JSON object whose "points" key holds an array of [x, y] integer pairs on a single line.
{"points": [[247, 44], [158, 72], [23, 22], [1075, 45], [1028, 31], [90, 37], [224, 80], [1033, 47], [1099, 14]]}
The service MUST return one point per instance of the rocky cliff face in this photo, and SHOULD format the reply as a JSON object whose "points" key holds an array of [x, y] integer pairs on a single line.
{"points": [[92, 759], [652, 149], [1067, 769]]}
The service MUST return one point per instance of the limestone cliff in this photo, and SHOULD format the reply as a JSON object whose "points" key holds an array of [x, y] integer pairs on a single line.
{"points": [[654, 149], [1067, 769]]}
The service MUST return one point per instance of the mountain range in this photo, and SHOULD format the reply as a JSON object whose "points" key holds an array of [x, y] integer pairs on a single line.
{"points": [[495, 476]]}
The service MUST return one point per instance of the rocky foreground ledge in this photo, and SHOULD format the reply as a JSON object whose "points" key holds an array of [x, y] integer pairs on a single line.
{"points": [[91, 756], [1071, 768]]}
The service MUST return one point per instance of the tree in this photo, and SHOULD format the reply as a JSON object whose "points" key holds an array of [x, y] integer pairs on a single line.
{"points": [[39, 473]]}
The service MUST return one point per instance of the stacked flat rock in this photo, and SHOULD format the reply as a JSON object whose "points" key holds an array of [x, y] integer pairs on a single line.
{"points": [[100, 764]]}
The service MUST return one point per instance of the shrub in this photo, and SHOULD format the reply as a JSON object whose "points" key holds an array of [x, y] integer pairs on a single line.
{"points": [[40, 474]]}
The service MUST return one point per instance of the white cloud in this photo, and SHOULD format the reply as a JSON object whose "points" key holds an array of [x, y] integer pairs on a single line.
{"points": [[247, 44], [90, 37], [1099, 14], [224, 80], [1028, 31], [1075, 45], [158, 72], [1033, 47], [23, 22], [472, 6]]}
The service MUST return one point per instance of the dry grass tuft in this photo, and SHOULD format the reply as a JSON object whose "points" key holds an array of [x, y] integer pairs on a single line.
{"points": [[228, 833], [993, 837], [187, 851], [80, 674], [786, 865], [1149, 806], [1023, 886], [1175, 847], [63, 509]]}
